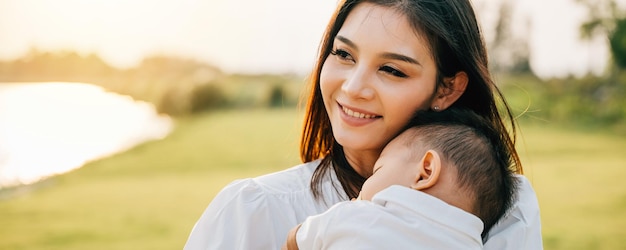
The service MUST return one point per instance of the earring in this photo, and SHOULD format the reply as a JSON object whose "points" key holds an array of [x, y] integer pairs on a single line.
{"points": [[436, 108]]}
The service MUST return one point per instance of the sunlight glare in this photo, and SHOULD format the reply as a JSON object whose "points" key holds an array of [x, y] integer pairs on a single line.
{"points": [[52, 128]]}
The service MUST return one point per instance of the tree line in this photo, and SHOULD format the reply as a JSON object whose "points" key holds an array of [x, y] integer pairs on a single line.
{"points": [[175, 86]]}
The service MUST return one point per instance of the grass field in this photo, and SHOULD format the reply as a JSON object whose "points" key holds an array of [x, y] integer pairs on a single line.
{"points": [[150, 196]]}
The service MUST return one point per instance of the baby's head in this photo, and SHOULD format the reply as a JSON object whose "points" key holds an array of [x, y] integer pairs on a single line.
{"points": [[454, 155]]}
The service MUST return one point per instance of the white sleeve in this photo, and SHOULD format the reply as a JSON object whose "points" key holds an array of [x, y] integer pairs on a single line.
{"points": [[328, 230], [310, 235], [346, 225], [237, 218], [521, 226]]}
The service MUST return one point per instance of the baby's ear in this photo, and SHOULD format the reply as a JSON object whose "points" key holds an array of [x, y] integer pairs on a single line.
{"points": [[428, 172]]}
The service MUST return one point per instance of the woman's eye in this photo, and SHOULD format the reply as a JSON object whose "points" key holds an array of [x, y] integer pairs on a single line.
{"points": [[342, 55], [393, 71]]}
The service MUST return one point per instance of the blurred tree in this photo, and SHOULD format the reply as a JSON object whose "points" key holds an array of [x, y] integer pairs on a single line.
{"points": [[606, 19], [206, 97], [174, 85], [63, 65], [617, 40], [277, 96], [509, 53]]}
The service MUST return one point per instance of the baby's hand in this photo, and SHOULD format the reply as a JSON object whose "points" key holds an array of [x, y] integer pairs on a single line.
{"points": [[291, 243]]}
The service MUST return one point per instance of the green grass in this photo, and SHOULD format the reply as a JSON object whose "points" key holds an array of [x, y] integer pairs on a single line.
{"points": [[579, 180], [150, 196]]}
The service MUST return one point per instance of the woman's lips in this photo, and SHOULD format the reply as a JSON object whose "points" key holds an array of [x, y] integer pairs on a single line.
{"points": [[355, 117]]}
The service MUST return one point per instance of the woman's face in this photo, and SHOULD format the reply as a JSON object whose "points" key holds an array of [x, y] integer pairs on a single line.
{"points": [[378, 74]]}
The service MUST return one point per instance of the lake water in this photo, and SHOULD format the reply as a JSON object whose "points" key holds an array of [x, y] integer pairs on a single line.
{"points": [[52, 128]]}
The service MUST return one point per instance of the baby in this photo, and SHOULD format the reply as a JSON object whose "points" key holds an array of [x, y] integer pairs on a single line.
{"points": [[441, 184]]}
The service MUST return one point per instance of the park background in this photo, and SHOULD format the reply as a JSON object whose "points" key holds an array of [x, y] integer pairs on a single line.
{"points": [[230, 75]]}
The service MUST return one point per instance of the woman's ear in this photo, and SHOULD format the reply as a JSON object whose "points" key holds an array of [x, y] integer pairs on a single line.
{"points": [[428, 172], [452, 89]]}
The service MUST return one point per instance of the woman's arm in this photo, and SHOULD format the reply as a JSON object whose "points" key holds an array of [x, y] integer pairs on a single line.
{"points": [[237, 218]]}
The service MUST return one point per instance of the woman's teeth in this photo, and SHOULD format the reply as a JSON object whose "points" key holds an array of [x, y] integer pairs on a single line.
{"points": [[357, 114]]}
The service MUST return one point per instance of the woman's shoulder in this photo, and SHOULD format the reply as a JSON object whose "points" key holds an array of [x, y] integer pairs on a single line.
{"points": [[525, 193], [292, 185], [520, 228], [294, 179], [526, 206]]}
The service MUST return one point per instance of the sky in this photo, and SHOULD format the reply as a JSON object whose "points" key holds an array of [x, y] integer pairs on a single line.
{"points": [[251, 36]]}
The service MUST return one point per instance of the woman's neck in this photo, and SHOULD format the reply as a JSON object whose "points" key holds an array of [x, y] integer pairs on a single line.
{"points": [[362, 161]]}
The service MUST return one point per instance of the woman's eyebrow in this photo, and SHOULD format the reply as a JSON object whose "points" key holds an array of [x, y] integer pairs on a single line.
{"points": [[347, 41], [388, 55], [400, 57]]}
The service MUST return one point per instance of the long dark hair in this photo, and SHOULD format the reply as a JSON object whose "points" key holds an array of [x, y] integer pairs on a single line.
{"points": [[455, 39]]}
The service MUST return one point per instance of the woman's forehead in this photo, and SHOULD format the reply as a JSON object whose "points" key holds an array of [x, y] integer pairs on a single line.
{"points": [[383, 25]]}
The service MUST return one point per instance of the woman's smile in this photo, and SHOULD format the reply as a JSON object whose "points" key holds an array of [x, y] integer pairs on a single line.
{"points": [[358, 114], [357, 117]]}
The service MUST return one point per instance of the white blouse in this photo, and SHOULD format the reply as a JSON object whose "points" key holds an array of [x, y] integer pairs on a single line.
{"points": [[257, 213]]}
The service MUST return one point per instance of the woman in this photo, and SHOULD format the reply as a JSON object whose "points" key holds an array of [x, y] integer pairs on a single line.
{"points": [[380, 61]]}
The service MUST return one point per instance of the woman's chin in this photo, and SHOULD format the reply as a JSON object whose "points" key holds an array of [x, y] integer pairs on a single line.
{"points": [[355, 142]]}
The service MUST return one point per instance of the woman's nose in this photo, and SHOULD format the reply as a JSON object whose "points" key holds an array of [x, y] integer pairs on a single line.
{"points": [[357, 84]]}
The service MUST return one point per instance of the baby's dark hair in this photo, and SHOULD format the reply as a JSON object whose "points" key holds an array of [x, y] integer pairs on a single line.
{"points": [[483, 163]]}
